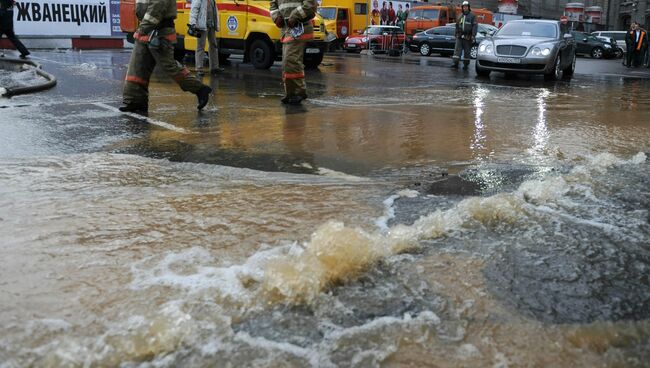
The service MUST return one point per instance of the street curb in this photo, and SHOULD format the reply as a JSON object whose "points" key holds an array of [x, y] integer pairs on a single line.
{"points": [[13, 63]]}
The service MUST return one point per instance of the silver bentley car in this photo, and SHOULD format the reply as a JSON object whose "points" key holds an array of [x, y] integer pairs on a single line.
{"points": [[529, 46]]}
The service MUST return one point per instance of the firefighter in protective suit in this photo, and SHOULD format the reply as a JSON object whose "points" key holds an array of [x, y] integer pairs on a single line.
{"points": [[294, 16], [466, 28], [154, 44]]}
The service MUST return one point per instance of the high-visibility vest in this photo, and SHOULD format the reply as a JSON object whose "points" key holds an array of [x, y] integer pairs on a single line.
{"points": [[642, 35]]}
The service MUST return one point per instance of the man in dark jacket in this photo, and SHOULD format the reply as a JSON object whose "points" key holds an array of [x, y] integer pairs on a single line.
{"points": [[466, 28], [636, 41], [7, 26]]}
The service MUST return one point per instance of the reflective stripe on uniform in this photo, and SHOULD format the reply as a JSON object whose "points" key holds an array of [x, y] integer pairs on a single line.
{"points": [[182, 75], [638, 47], [145, 38], [293, 75], [290, 5], [150, 18], [303, 37], [137, 80], [142, 1]]}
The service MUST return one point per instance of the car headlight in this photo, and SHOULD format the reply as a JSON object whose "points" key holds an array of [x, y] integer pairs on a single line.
{"points": [[546, 52], [365, 39], [607, 46], [485, 48], [536, 51]]}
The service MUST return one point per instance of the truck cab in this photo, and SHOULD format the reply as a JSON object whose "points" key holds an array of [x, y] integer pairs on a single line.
{"points": [[425, 17], [343, 18]]}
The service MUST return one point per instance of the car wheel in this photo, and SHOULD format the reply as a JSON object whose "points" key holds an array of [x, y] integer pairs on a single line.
{"points": [[618, 53], [425, 50], [260, 54], [473, 52], [597, 53], [556, 72], [568, 72], [480, 71]]}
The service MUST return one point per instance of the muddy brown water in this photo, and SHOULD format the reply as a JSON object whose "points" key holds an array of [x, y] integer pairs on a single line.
{"points": [[324, 236]]}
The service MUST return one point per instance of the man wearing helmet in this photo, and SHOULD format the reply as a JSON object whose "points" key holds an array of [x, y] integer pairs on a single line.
{"points": [[466, 28]]}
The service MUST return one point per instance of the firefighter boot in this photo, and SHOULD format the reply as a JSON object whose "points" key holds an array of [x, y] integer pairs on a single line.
{"points": [[204, 96], [138, 108], [292, 100]]}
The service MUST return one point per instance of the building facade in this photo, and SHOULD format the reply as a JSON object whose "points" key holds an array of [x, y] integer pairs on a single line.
{"points": [[625, 12]]}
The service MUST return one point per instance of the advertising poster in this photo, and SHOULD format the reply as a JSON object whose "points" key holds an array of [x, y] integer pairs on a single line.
{"points": [[63, 18]]}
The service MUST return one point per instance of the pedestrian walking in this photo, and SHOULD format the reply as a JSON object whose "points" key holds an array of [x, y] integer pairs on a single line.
{"points": [[154, 44], [466, 28], [7, 26], [204, 18], [294, 18]]}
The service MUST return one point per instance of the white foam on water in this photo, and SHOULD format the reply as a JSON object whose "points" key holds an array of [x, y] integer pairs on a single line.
{"points": [[136, 338], [337, 174], [312, 356], [389, 209], [335, 253]]}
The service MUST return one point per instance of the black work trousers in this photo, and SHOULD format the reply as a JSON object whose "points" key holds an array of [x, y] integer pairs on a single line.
{"points": [[7, 28]]}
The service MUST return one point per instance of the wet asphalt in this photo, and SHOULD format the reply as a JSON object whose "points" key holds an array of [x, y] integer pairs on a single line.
{"points": [[79, 115], [344, 127]]}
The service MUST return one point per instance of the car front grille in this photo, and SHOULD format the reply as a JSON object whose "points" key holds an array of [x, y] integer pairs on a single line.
{"points": [[513, 66], [511, 50]]}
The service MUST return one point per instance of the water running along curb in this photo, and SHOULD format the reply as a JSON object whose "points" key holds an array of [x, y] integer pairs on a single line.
{"points": [[13, 64]]}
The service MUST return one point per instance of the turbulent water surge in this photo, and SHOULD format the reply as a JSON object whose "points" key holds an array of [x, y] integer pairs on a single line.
{"points": [[405, 216], [126, 260]]}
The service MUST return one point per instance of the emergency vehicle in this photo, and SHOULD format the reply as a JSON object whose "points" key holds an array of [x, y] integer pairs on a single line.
{"points": [[344, 18], [245, 28]]}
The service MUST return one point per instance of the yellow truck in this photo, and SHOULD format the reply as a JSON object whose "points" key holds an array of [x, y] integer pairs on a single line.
{"points": [[246, 29], [344, 17]]}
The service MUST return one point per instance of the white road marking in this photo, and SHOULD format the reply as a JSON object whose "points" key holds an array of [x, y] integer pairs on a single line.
{"points": [[159, 123]]}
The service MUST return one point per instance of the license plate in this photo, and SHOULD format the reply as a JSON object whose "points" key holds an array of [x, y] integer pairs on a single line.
{"points": [[509, 60], [312, 50], [352, 46]]}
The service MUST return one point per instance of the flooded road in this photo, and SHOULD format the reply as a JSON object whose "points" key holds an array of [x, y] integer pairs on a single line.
{"points": [[407, 215]]}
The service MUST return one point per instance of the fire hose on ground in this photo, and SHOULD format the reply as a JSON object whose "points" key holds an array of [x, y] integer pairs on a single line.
{"points": [[11, 64]]}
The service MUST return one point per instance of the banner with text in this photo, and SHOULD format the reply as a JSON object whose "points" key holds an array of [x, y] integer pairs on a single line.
{"points": [[67, 18]]}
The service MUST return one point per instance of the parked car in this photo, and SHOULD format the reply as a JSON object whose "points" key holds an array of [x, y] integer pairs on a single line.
{"points": [[442, 40], [587, 44], [618, 36], [618, 50], [377, 38], [528, 46]]}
